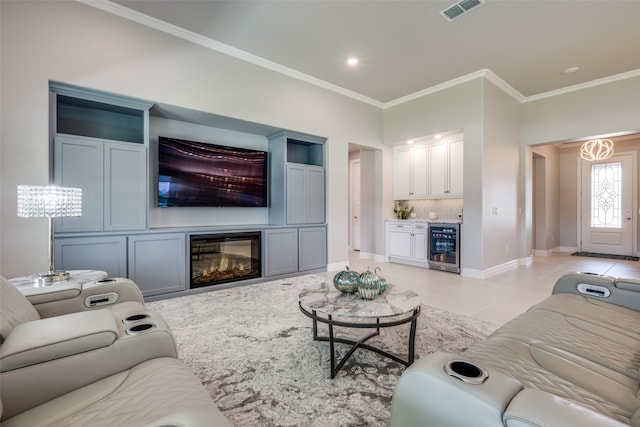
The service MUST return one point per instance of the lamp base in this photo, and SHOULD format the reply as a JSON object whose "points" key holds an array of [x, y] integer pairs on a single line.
{"points": [[49, 278]]}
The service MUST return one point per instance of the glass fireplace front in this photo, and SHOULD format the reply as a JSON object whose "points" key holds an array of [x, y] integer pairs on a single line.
{"points": [[224, 258]]}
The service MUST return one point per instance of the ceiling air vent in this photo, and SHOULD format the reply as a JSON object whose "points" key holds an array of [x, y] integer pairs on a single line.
{"points": [[460, 8]]}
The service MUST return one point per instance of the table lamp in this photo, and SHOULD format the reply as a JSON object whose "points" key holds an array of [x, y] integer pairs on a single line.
{"points": [[36, 201]]}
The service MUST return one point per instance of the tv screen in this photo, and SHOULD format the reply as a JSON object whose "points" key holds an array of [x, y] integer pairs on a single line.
{"points": [[199, 174]]}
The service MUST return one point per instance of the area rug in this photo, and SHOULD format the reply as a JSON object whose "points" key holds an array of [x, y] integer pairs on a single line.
{"points": [[607, 256], [253, 350]]}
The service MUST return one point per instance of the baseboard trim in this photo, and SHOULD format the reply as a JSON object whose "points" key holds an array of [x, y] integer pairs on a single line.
{"points": [[490, 272]]}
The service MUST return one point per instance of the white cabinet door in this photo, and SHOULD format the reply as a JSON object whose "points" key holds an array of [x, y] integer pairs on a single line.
{"points": [[420, 172], [403, 181], [410, 172], [407, 243], [456, 167], [419, 249], [399, 241], [438, 169], [446, 168]]}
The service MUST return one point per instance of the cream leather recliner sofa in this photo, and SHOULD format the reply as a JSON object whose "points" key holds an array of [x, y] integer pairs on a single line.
{"points": [[571, 360], [115, 366]]}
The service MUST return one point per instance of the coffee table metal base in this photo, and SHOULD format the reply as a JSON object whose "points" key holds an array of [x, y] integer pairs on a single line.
{"points": [[332, 339]]}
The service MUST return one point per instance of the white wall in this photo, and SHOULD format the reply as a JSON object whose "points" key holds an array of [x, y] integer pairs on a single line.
{"points": [[500, 178], [608, 108], [73, 43], [458, 108], [548, 202], [592, 111]]}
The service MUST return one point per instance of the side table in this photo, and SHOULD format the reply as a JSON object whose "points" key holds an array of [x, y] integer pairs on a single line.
{"points": [[334, 308], [25, 283]]}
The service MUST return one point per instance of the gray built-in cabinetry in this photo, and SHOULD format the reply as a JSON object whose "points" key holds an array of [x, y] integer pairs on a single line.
{"points": [[112, 176], [297, 177], [157, 262], [290, 250], [101, 144], [95, 252], [297, 167]]}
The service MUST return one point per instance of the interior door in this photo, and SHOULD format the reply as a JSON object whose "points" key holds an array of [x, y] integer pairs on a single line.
{"points": [[607, 204], [355, 205]]}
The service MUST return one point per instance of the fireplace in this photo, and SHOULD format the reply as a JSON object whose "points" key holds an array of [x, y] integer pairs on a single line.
{"points": [[224, 258]]}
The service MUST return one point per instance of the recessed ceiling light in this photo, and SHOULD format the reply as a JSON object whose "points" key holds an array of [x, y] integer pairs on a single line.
{"points": [[352, 61], [437, 136], [570, 70], [410, 141]]}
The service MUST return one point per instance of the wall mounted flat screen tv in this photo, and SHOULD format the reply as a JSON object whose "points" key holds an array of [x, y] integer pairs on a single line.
{"points": [[199, 174]]}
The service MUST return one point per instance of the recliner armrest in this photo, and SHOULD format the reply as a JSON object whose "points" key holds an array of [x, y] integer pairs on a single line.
{"points": [[49, 339], [60, 291], [532, 407], [427, 395], [68, 298], [622, 292]]}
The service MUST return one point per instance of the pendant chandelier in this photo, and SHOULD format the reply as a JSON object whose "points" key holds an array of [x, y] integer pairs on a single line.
{"points": [[596, 149]]}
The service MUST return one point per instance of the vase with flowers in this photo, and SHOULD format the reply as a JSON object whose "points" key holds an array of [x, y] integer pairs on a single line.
{"points": [[402, 209]]}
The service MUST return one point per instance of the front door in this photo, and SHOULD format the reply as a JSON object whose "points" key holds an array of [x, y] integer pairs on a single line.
{"points": [[607, 204]]}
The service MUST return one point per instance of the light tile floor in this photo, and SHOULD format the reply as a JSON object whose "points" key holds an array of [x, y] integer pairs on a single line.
{"points": [[499, 298]]}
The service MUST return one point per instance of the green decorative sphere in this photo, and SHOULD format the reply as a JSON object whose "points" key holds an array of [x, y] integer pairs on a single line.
{"points": [[369, 288], [382, 282], [346, 281]]}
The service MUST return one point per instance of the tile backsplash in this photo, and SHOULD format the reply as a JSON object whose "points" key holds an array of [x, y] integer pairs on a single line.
{"points": [[446, 209]]}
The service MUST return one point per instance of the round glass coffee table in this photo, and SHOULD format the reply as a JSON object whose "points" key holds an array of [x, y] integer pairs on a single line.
{"points": [[393, 308]]}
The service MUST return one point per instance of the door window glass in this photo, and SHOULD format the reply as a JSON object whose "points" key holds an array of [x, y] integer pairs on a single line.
{"points": [[605, 195]]}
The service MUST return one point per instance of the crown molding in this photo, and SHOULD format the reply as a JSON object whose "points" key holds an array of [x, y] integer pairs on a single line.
{"points": [[140, 18], [585, 85], [506, 87], [434, 89], [486, 73]]}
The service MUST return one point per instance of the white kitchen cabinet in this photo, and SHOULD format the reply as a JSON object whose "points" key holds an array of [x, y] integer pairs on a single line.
{"points": [[445, 168], [407, 242], [410, 172]]}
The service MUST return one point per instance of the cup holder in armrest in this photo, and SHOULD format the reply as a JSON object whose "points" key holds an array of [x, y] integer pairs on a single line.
{"points": [[135, 318], [466, 371], [140, 328]]}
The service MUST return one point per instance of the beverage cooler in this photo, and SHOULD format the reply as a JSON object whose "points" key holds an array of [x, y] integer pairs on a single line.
{"points": [[444, 247]]}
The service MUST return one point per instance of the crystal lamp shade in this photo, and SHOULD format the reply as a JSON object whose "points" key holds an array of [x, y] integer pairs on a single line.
{"points": [[596, 149], [36, 201]]}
